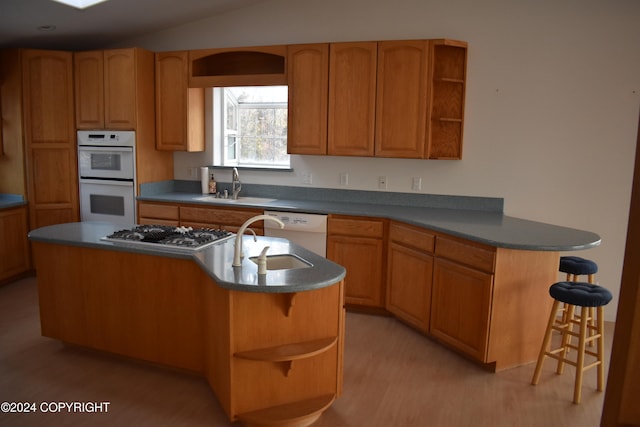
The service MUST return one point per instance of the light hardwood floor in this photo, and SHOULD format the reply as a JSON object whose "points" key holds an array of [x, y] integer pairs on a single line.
{"points": [[393, 376]]}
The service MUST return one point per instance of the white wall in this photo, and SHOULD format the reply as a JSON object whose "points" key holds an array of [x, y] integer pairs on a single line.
{"points": [[551, 112]]}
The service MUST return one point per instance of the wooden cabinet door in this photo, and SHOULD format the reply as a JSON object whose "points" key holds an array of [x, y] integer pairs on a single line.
{"points": [[352, 98], [363, 259], [14, 247], [50, 142], [120, 89], [308, 80], [358, 245], [179, 109], [89, 86], [461, 303], [401, 107], [409, 285]]}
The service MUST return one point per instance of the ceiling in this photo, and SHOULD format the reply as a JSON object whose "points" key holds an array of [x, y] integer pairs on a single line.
{"points": [[99, 26]]}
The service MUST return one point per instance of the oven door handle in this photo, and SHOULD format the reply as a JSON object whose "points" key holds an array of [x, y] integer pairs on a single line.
{"points": [[106, 182], [90, 148]]}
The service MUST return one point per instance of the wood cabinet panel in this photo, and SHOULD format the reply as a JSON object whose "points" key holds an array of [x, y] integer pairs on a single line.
{"points": [[180, 110], [413, 237], [460, 309], [14, 247], [409, 285], [358, 245], [352, 98], [308, 80], [89, 89], [50, 143], [401, 105], [120, 89], [355, 227], [464, 252], [157, 210], [215, 217]]}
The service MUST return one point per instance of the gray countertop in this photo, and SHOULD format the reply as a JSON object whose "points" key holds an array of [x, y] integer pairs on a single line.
{"points": [[485, 226], [11, 201], [215, 260]]}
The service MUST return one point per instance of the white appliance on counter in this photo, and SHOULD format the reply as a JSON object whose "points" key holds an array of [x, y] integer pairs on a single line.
{"points": [[106, 167], [306, 230]]}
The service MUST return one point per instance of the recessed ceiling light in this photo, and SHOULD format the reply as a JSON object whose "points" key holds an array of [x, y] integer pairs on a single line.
{"points": [[46, 28], [80, 4]]}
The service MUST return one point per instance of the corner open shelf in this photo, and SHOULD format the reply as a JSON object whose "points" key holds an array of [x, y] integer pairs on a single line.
{"points": [[449, 63]]}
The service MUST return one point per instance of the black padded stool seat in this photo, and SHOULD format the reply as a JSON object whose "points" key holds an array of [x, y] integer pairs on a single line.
{"points": [[580, 293], [577, 266]]}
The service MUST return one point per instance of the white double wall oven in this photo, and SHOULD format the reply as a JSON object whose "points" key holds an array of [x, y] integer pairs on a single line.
{"points": [[106, 166]]}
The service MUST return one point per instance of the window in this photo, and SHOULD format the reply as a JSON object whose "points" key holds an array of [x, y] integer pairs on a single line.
{"points": [[250, 126]]}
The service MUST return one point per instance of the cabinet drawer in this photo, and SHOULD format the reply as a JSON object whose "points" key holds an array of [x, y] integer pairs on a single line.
{"points": [[463, 253], [412, 236], [355, 227], [219, 216], [152, 210]]}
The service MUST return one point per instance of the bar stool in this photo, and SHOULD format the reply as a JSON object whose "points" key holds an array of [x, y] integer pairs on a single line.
{"points": [[575, 294], [574, 267]]}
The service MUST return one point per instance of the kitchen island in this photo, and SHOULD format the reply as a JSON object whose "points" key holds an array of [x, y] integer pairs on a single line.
{"points": [[270, 346]]}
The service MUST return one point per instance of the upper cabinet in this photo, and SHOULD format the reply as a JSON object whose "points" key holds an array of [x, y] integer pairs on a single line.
{"points": [[249, 66], [401, 103], [179, 108], [401, 99], [114, 89], [308, 70], [352, 98]]}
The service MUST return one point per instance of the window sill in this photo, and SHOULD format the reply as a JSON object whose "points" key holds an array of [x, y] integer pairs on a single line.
{"points": [[253, 168]]}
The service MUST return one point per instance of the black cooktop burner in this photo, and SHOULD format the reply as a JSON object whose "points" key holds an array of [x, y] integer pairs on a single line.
{"points": [[176, 237]]}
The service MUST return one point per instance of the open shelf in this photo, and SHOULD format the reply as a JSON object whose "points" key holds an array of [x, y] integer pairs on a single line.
{"points": [[287, 352], [299, 414]]}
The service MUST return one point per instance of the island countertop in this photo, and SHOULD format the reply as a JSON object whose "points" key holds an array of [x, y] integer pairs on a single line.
{"points": [[215, 259]]}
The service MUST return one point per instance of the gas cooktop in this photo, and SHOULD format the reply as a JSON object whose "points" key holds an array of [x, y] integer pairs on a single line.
{"points": [[182, 238]]}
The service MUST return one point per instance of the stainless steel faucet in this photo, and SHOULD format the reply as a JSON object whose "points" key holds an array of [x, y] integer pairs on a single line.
{"points": [[236, 186]]}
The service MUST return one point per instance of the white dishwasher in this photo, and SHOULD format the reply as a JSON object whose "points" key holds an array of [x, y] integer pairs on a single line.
{"points": [[306, 230]]}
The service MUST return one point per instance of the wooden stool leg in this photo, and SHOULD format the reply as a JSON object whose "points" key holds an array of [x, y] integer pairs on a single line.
{"points": [[567, 327], [545, 342], [581, 348], [600, 350]]}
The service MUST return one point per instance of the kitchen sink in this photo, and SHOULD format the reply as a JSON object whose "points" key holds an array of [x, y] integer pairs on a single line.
{"points": [[284, 262], [254, 200]]}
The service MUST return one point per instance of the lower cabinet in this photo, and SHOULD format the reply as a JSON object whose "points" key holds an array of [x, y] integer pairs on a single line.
{"points": [[409, 276], [14, 247], [158, 214], [217, 217], [461, 296], [197, 216], [461, 300], [358, 245]]}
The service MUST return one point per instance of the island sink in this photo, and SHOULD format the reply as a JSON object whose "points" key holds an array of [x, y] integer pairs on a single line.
{"points": [[284, 262]]}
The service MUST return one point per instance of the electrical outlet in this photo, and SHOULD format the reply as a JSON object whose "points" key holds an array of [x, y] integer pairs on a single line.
{"points": [[416, 183], [382, 182], [193, 172], [307, 178], [344, 178]]}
